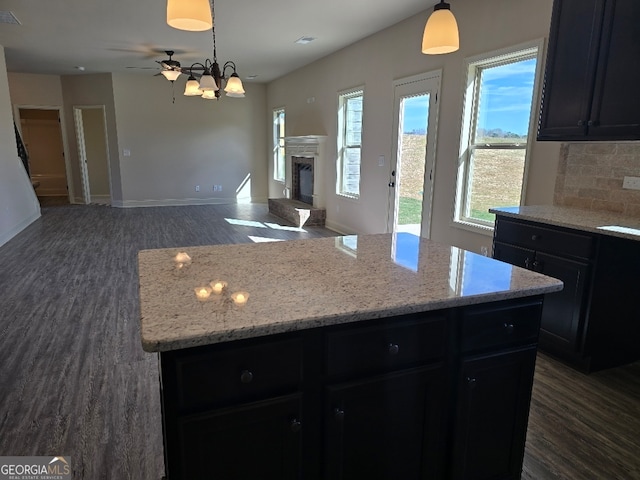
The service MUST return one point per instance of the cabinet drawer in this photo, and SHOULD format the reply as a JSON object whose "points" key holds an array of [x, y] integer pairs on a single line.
{"points": [[218, 377], [381, 348], [488, 327], [559, 242]]}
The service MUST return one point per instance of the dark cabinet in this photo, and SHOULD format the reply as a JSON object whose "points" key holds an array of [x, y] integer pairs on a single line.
{"points": [[592, 72], [376, 399], [491, 415], [386, 427], [563, 311], [257, 440], [593, 322]]}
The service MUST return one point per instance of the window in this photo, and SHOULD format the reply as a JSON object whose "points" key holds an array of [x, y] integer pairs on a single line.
{"points": [[349, 143], [278, 145], [496, 134]]}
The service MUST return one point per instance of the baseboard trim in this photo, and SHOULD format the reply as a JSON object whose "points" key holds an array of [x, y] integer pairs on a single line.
{"points": [[4, 238], [177, 202], [339, 228]]}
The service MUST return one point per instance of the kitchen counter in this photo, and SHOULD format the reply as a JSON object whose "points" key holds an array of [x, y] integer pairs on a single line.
{"points": [[601, 222], [347, 357], [296, 285]]}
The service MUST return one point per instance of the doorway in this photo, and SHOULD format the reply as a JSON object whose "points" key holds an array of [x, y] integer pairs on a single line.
{"points": [[413, 156], [42, 137], [93, 153]]}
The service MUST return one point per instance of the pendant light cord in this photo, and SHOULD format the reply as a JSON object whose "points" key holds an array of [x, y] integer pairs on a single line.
{"points": [[213, 31]]}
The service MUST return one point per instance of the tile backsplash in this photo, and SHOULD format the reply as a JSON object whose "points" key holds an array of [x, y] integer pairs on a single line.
{"points": [[590, 176]]}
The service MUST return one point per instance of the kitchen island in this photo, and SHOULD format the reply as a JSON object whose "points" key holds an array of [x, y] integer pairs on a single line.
{"points": [[375, 356]]}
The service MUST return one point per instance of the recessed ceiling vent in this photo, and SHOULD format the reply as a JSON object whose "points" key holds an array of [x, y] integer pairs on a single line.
{"points": [[8, 17], [304, 40]]}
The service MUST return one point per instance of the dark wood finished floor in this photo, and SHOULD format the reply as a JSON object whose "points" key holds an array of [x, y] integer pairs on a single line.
{"points": [[75, 381]]}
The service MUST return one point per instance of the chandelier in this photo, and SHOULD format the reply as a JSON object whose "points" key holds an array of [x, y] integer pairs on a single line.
{"points": [[199, 15]]}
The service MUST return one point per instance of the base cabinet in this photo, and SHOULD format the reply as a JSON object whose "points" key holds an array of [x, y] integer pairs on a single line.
{"points": [[593, 323], [386, 427], [563, 311], [258, 440], [430, 396], [490, 428]]}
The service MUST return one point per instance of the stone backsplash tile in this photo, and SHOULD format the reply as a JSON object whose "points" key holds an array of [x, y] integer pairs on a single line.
{"points": [[590, 176]]}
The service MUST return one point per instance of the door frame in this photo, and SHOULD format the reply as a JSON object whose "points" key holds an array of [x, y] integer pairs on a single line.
{"points": [[82, 153], [430, 160], [63, 133]]}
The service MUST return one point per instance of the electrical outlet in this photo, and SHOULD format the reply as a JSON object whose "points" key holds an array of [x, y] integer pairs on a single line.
{"points": [[197, 188], [219, 188], [631, 183]]}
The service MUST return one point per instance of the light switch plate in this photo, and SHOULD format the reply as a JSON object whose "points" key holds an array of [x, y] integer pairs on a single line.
{"points": [[631, 183]]}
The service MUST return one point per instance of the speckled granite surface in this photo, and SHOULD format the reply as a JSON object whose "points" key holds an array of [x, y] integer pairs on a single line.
{"points": [[301, 284], [606, 223]]}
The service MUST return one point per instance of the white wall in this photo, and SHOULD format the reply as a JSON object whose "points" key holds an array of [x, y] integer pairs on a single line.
{"points": [[176, 146], [18, 203], [375, 63]]}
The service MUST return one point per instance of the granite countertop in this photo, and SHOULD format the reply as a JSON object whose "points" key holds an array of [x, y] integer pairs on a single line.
{"points": [[295, 285], [605, 223]]}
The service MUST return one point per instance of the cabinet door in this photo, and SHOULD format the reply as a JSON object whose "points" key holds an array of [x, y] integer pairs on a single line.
{"points": [[570, 69], [561, 327], [255, 441], [520, 257], [386, 428], [491, 415], [616, 106]]}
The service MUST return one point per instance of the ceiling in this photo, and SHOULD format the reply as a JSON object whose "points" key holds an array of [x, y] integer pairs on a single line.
{"points": [[56, 36]]}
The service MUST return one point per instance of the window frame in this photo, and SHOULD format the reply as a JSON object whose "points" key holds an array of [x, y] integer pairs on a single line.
{"points": [[342, 145], [473, 67], [278, 136]]}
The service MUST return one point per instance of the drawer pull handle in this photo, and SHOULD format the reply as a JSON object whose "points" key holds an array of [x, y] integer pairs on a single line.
{"points": [[527, 263], [246, 376], [471, 382], [393, 349], [338, 414], [509, 327], [296, 425], [535, 238]]}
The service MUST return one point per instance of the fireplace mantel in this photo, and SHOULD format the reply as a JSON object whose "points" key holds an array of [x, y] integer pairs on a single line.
{"points": [[308, 146]]}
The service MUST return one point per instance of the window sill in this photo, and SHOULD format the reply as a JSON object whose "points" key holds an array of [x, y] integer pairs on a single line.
{"points": [[473, 227], [348, 197]]}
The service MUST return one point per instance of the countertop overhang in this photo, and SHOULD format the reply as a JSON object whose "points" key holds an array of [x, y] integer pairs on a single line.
{"points": [[301, 284], [594, 221]]}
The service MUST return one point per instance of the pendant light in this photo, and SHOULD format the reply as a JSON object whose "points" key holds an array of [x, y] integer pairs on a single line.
{"points": [[441, 31], [171, 75], [192, 88], [191, 15]]}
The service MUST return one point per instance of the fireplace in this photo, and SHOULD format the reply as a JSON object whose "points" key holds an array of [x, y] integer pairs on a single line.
{"points": [[303, 201], [302, 179]]}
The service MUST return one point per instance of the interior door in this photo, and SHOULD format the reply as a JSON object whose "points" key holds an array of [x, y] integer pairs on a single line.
{"points": [[413, 156], [93, 153], [42, 137]]}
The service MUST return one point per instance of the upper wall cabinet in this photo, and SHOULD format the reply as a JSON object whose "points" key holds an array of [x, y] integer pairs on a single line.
{"points": [[592, 72]]}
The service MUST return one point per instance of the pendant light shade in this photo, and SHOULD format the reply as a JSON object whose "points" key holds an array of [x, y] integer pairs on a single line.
{"points": [[192, 87], [191, 15], [209, 95], [441, 31], [207, 82], [171, 75], [234, 86]]}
